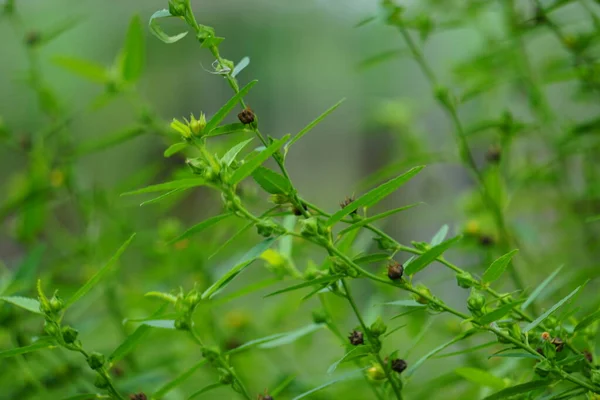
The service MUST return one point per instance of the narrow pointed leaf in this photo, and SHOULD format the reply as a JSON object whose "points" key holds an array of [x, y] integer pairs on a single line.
{"points": [[353, 354], [481, 377], [377, 217], [245, 261], [132, 56], [498, 313], [157, 30], [469, 350], [166, 388], [291, 337], [99, 275], [160, 323], [545, 315], [411, 370], [89, 70], [534, 295], [244, 62], [351, 375], [253, 163], [587, 321], [109, 140], [204, 390], [319, 281], [200, 227], [498, 267], [404, 303], [372, 197], [439, 236], [518, 389], [163, 187], [234, 151], [314, 123], [24, 302], [237, 127], [129, 344], [372, 258], [175, 148], [162, 196], [42, 343], [226, 109], [271, 181], [429, 256]]}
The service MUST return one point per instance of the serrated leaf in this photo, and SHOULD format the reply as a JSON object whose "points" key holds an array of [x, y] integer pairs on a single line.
{"points": [[498, 313], [518, 389], [314, 123], [319, 281], [480, 377], [24, 302], [271, 181], [439, 236], [199, 227], [157, 30], [377, 217], [234, 151], [411, 370], [534, 295], [374, 196], [84, 68], [226, 109], [244, 62], [204, 390], [132, 55], [175, 148], [99, 275], [587, 321], [42, 343], [429, 256], [236, 127], [244, 262], [498, 267], [545, 315], [250, 165], [353, 354], [162, 187], [109, 140], [160, 323]]}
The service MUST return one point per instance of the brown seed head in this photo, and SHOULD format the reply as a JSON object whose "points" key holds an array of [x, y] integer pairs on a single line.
{"points": [[588, 356], [395, 271], [246, 116], [356, 338], [138, 396], [346, 202], [486, 240], [493, 155], [558, 344], [399, 365]]}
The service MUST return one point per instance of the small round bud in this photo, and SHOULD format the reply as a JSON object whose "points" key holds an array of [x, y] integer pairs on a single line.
{"points": [[246, 116], [50, 328], [399, 365], [376, 373], [356, 338], [182, 324], [266, 227], [422, 290], [319, 317], [384, 244], [465, 280], [309, 227], [395, 271], [475, 303], [225, 377], [56, 304], [378, 327], [69, 334], [101, 382], [210, 354], [96, 360]]}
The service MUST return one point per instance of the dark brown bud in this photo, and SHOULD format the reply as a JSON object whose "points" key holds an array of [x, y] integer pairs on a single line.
{"points": [[493, 155], [558, 344], [588, 356], [265, 396], [356, 338], [246, 116], [540, 350], [138, 396], [486, 240], [399, 365], [395, 271], [346, 202]]}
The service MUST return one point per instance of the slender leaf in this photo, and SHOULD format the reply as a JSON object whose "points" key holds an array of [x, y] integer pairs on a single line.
{"points": [[162, 196], [518, 389], [353, 354], [132, 56], [587, 321], [498, 313], [319, 281], [175, 148], [245, 261], [166, 388], [244, 62], [429, 256], [160, 323], [129, 344], [480, 377], [545, 315], [291, 337], [469, 350], [162, 187], [439, 236], [534, 295], [232, 238], [314, 123], [377, 217], [346, 377], [157, 30], [99, 275], [271, 181], [226, 109], [372, 258], [515, 355], [199, 227], [411, 370], [236, 127], [372, 197], [249, 166], [24, 302], [204, 390], [86, 69], [498, 267], [42, 343], [234, 151], [404, 303]]}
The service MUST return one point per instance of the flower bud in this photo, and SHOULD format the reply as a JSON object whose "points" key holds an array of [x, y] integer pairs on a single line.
{"points": [[225, 377], [595, 377], [475, 303], [266, 227], [56, 304], [197, 125], [319, 316], [246, 116], [96, 360], [309, 227], [50, 328], [101, 382], [182, 324], [376, 373], [399, 365], [515, 331], [385, 244], [422, 290], [465, 280], [69, 334], [210, 354], [378, 327], [395, 271]]}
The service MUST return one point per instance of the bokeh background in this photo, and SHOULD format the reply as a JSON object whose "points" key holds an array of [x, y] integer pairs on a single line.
{"points": [[63, 216]]}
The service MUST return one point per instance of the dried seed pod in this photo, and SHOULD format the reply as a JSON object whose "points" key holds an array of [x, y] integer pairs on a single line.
{"points": [[356, 338], [347, 202], [558, 343], [399, 365], [395, 271], [246, 116], [138, 396]]}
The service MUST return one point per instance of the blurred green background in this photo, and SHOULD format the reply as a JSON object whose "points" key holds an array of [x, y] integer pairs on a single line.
{"points": [[63, 216]]}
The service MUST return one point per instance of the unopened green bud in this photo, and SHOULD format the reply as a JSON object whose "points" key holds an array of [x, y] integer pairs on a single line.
{"points": [[50, 328], [56, 304], [376, 373], [319, 316], [196, 165], [192, 299], [225, 377], [101, 382], [422, 290], [96, 360], [69, 334], [385, 244], [378, 327], [182, 324], [309, 227], [266, 227], [595, 376], [197, 125], [465, 280], [210, 354], [515, 331], [475, 303]]}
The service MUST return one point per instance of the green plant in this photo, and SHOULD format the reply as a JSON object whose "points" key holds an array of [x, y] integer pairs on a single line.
{"points": [[551, 352]]}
